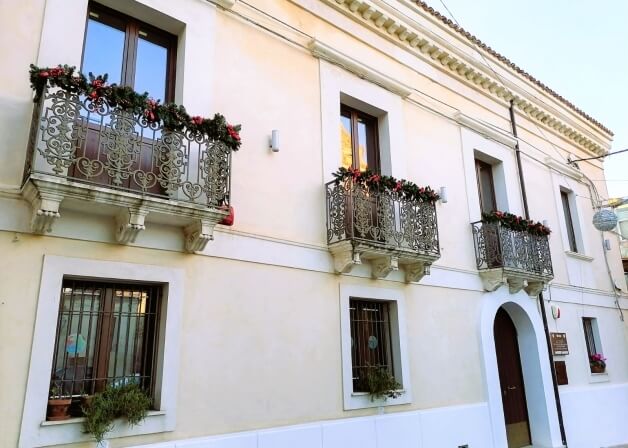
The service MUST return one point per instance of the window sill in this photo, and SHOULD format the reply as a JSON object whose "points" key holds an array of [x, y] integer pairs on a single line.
{"points": [[71, 430], [74, 420], [578, 256], [362, 400], [599, 377]]}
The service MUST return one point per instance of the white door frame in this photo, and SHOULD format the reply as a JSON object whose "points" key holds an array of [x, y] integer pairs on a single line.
{"points": [[537, 377]]}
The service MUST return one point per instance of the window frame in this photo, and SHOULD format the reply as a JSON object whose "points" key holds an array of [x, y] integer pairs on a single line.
{"points": [[398, 342], [35, 430], [372, 124], [592, 340], [569, 221], [131, 28], [103, 338], [485, 167]]}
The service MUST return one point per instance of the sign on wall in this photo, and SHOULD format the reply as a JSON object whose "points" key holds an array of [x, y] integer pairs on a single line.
{"points": [[559, 344]]}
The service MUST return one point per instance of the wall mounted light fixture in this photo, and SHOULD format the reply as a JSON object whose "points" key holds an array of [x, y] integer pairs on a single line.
{"points": [[443, 195], [274, 140]]}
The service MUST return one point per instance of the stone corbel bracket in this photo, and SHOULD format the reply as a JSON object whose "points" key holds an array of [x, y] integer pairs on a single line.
{"points": [[198, 234], [45, 208], [129, 224], [382, 266], [382, 262], [492, 279]]}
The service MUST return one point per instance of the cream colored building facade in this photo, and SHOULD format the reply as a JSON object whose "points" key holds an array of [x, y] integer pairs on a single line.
{"points": [[254, 342]]}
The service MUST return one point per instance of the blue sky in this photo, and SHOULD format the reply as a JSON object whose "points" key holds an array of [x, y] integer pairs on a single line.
{"points": [[578, 48]]}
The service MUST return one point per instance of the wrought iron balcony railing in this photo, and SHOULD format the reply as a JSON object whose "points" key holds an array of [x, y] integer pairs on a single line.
{"points": [[92, 142], [518, 254], [92, 151], [380, 224]]}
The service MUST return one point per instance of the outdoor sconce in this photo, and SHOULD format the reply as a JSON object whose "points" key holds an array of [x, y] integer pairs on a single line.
{"points": [[607, 244], [443, 195], [274, 140]]}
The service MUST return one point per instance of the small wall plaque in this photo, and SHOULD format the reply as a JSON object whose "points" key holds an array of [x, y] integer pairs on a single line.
{"points": [[559, 344]]}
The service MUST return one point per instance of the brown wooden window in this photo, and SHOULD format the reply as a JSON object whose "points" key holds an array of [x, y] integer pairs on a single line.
{"points": [[107, 334], [133, 53], [358, 140], [370, 339], [486, 186], [571, 235]]}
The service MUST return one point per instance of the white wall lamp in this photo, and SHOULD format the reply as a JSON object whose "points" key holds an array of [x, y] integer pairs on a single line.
{"points": [[274, 140], [443, 195]]}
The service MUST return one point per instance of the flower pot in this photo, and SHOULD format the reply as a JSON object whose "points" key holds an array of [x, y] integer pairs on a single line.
{"points": [[597, 368], [58, 409]]}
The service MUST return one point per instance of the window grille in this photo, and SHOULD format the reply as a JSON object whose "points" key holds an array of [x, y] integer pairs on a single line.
{"points": [[107, 334], [370, 339]]}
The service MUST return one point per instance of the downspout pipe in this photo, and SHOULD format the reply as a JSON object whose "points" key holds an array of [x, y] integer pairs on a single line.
{"points": [[526, 210]]}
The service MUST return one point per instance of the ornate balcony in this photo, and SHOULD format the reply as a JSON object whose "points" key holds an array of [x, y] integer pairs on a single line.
{"points": [[92, 154], [384, 228], [517, 257]]}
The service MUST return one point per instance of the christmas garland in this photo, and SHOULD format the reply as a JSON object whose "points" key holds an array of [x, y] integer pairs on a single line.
{"points": [[95, 88], [376, 182], [517, 223]]}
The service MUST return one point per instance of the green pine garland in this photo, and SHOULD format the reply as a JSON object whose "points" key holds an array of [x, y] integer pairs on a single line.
{"points": [[376, 182], [95, 88], [517, 223]]}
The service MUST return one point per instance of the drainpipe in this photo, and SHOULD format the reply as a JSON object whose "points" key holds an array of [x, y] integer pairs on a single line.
{"points": [[524, 196]]}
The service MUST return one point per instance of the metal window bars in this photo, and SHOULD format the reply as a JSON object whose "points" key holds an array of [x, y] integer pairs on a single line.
{"points": [[107, 335]]}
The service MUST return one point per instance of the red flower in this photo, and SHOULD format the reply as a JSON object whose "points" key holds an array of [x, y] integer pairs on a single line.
{"points": [[93, 95], [233, 133], [44, 74], [197, 120], [397, 186], [98, 83]]}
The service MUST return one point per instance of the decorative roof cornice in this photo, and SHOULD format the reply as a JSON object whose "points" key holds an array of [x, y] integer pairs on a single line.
{"points": [[511, 65], [416, 40]]}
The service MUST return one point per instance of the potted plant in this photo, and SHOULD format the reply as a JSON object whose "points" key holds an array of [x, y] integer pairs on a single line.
{"points": [[597, 362], [128, 402], [382, 384], [58, 404]]}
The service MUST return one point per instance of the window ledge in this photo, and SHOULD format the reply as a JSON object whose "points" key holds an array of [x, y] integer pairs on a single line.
{"points": [[71, 430], [599, 377], [579, 256], [74, 420], [362, 400]]}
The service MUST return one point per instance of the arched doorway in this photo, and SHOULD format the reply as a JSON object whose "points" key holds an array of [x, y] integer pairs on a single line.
{"points": [[537, 377], [511, 381]]}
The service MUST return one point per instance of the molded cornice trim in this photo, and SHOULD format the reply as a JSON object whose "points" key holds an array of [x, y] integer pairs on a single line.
{"points": [[417, 41], [227, 4], [485, 129], [563, 168], [322, 51]]}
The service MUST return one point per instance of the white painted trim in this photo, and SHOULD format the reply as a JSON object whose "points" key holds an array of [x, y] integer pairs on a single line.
{"points": [[33, 433], [398, 345], [427, 428], [563, 168], [578, 255], [323, 51], [485, 129], [537, 376], [504, 168], [227, 4], [338, 86]]}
